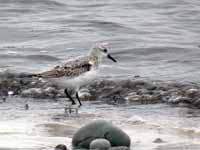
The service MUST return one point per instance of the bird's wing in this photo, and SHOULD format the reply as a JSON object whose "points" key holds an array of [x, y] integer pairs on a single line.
{"points": [[69, 69]]}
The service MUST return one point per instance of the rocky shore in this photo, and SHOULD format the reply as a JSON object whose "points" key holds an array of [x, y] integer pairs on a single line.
{"points": [[136, 90]]}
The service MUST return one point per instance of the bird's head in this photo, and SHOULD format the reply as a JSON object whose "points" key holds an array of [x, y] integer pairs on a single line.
{"points": [[100, 51]]}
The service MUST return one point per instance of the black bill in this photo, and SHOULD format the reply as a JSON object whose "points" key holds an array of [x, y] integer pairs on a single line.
{"points": [[110, 57]]}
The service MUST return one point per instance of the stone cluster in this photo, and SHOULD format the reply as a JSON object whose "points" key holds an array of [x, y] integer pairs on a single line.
{"points": [[136, 90], [101, 135]]}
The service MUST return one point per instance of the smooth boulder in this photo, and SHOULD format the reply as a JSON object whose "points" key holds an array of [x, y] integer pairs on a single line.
{"points": [[100, 129], [100, 144]]}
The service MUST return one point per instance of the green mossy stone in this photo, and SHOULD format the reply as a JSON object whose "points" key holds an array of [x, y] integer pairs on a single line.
{"points": [[100, 129]]}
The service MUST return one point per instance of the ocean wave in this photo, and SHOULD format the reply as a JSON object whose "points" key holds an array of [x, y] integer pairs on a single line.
{"points": [[42, 57], [33, 2], [30, 57], [29, 6], [109, 26]]}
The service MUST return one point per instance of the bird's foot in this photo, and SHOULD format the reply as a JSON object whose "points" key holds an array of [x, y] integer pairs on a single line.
{"points": [[70, 109]]}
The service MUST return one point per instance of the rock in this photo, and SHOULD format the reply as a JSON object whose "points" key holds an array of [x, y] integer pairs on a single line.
{"points": [[192, 93], [60, 147], [120, 148], [100, 129], [132, 96], [196, 103], [100, 144], [85, 94], [50, 90], [10, 93], [26, 107], [4, 99], [151, 87], [158, 140], [178, 99], [137, 76], [143, 98], [32, 92]]}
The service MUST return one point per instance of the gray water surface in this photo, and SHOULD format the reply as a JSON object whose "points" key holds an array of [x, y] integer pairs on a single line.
{"points": [[155, 39]]}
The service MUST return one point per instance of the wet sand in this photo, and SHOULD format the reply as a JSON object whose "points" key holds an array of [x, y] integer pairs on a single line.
{"points": [[45, 124]]}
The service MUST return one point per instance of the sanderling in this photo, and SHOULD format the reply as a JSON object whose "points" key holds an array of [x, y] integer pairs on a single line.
{"points": [[78, 72]]}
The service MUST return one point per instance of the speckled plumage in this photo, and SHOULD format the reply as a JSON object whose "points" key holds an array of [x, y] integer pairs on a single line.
{"points": [[71, 68]]}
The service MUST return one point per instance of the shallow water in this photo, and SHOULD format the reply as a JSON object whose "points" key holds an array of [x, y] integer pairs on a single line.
{"points": [[45, 125]]}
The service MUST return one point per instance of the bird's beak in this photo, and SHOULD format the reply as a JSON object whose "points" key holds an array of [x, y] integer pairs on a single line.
{"points": [[110, 57]]}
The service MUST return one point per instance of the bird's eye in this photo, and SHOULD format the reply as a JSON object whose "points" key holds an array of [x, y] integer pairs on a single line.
{"points": [[105, 50]]}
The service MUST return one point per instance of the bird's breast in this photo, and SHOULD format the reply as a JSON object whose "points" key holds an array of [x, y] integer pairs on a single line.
{"points": [[75, 82]]}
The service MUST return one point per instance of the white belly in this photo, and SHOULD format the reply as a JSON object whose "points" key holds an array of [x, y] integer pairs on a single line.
{"points": [[76, 82]]}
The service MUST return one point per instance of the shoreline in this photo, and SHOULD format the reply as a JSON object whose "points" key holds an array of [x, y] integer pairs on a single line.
{"points": [[45, 124], [134, 91]]}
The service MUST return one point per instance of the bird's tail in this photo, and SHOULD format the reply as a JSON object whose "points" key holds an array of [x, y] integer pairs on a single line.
{"points": [[12, 74], [28, 75]]}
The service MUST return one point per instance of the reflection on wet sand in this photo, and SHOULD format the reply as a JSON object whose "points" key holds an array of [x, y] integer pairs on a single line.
{"points": [[45, 125]]}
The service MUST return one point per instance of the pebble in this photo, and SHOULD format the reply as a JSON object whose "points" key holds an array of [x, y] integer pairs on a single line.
{"points": [[158, 140], [10, 93], [61, 147], [26, 106], [4, 99], [100, 144], [192, 93]]}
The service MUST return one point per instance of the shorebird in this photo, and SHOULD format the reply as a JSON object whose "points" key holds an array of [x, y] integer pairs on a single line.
{"points": [[78, 72]]}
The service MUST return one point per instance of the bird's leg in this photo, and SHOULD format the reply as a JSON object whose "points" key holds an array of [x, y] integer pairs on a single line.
{"points": [[69, 96], [78, 99]]}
